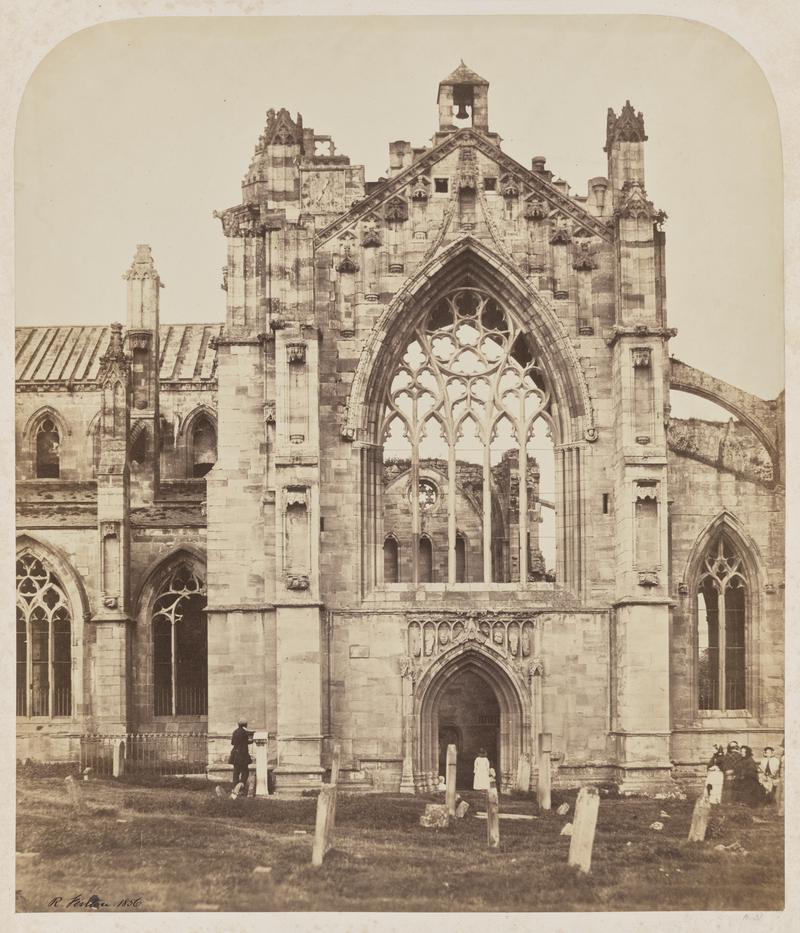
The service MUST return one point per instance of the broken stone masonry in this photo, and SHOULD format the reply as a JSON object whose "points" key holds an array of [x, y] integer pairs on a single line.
{"points": [[419, 487]]}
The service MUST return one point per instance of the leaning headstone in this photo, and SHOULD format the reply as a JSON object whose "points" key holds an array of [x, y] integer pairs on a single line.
{"points": [[544, 780], [583, 827], [74, 794], [219, 791], [435, 816], [326, 813], [461, 810], [87, 774], [563, 810], [566, 830], [323, 823], [700, 814], [237, 790], [251, 785], [524, 773], [450, 792], [118, 760], [492, 817]]}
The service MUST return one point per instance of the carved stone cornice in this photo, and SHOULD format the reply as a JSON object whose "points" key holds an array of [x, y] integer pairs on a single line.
{"points": [[639, 331]]}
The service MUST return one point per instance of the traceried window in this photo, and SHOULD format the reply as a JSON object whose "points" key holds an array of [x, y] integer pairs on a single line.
{"points": [[180, 646], [467, 449], [722, 600], [48, 458], [44, 633]]}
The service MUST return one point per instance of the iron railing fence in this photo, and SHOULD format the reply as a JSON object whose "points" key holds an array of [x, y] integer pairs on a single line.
{"points": [[151, 753]]}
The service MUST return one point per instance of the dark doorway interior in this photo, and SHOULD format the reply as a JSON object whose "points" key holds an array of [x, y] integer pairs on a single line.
{"points": [[469, 718]]}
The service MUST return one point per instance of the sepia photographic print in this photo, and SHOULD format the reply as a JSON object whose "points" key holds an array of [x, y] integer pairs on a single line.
{"points": [[400, 468]]}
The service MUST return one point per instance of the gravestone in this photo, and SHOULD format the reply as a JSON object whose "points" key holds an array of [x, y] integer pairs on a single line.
{"points": [[524, 773], [118, 761], [251, 785], [461, 809], [583, 827], [74, 794], [700, 814], [492, 817], [450, 793], [326, 813], [435, 816], [544, 778], [262, 747]]}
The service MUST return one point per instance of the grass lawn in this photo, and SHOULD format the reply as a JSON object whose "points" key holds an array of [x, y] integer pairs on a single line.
{"points": [[176, 846]]}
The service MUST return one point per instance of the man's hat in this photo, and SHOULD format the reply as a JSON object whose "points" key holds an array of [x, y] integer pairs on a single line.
{"points": [[768, 748], [733, 744], [242, 721]]}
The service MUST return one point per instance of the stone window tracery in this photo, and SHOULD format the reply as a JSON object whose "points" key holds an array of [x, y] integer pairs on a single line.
{"points": [[180, 646], [44, 656], [466, 417], [722, 608]]}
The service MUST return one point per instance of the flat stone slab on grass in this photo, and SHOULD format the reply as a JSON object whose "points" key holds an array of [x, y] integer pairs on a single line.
{"points": [[481, 814]]}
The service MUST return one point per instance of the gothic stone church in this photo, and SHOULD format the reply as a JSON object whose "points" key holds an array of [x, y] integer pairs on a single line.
{"points": [[421, 486]]}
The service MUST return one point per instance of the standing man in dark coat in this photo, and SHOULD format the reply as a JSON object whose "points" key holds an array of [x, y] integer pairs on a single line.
{"points": [[240, 753]]}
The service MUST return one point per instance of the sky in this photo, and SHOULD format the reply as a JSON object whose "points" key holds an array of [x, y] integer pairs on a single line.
{"points": [[135, 131]]}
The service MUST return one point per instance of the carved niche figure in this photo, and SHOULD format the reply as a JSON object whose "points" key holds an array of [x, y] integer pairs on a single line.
{"points": [[430, 640], [414, 641], [513, 640]]}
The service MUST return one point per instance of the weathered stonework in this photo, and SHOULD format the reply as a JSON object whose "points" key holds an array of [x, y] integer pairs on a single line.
{"points": [[243, 464]]}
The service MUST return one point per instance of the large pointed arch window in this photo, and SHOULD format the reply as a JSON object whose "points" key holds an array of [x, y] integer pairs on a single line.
{"points": [[180, 646], [44, 638], [722, 610], [467, 448]]}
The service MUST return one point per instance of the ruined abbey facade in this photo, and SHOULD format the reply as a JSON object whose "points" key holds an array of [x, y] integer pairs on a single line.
{"points": [[420, 486]]}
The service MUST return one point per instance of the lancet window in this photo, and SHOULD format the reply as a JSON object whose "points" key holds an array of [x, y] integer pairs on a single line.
{"points": [[48, 444], [44, 626], [467, 449], [722, 608], [180, 646]]}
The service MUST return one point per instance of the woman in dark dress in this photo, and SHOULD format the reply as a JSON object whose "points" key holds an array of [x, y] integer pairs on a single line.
{"points": [[748, 786]]}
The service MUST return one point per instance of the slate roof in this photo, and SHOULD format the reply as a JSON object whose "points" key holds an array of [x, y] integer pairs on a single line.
{"points": [[50, 355]]}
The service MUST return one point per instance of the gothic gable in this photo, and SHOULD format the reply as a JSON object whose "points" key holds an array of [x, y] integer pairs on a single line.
{"points": [[413, 184]]}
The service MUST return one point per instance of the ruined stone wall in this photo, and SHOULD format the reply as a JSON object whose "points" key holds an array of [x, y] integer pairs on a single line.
{"points": [[700, 495]]}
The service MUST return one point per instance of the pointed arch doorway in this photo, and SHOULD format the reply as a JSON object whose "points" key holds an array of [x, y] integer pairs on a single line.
{"points": [[473, 700]]}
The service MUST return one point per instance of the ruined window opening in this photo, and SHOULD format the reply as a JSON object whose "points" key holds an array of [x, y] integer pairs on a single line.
{"points": [[138, 452], [390, 561], [204, 446], [48, 450], [466, 417], [722, 608], [425, 560], [180, 646], [441, 185], [490, 184], [44, 638], [605, 503], [461, 559]]}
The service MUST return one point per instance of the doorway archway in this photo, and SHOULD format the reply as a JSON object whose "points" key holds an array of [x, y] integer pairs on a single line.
{"points": [[474, 699]]}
